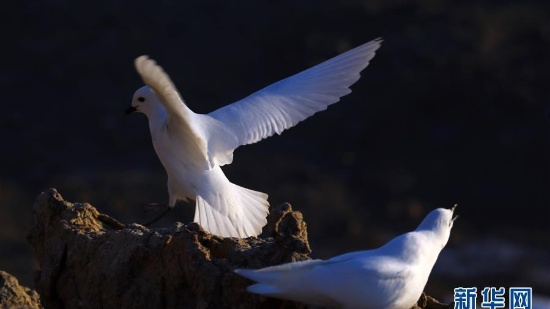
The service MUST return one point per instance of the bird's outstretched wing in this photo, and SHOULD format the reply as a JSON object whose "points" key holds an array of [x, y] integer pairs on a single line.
{"points": [[154, 76], [213, 139], [291, 100]]}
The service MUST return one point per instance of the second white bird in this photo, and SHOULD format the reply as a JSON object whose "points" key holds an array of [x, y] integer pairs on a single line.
{"points": [[192, 147], [390, 277]]}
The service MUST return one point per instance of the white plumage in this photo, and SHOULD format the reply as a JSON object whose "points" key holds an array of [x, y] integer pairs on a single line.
{"points": [[192, 147], [390, 277]]}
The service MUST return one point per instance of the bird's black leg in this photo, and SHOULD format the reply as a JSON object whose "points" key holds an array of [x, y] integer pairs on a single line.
{"points": [[159, 217], [156, 207]]}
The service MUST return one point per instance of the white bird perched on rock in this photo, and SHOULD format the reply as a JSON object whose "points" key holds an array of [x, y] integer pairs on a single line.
{"points": [[192, 147], [390, 277]]}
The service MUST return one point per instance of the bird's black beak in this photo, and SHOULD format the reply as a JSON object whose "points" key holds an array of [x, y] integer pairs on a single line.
{"points": [[453, 211], [130, 110]]}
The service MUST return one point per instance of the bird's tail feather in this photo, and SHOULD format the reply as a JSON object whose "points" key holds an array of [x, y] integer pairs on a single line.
{"points": [[268, 282], [265, 289], [288, 283], [258, 276], [233, 212], [279, 274]]}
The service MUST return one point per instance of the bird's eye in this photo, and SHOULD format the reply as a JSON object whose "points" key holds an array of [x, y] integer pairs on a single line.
{"points": [[141, 99]]}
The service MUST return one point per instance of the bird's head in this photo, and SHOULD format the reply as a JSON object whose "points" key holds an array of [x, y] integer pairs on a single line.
{"points": [[440, 221], [145, 101]]}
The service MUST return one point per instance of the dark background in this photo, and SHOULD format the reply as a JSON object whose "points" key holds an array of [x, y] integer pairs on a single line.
{"points": [[454, 108]]}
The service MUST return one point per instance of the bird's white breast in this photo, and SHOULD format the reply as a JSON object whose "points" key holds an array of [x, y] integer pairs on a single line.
{"points": [[180, 155]]}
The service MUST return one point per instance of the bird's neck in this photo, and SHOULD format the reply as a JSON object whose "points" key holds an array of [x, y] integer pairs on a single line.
{"points": [[414, 248]]}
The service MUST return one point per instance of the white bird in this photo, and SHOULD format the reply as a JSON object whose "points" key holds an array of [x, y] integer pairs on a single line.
{"points": [[192, 147], [390, 277]]}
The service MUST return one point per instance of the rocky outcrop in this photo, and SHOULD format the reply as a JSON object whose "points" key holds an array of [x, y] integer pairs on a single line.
{"points": [[90, 260], [13, 295], [428, 302]]}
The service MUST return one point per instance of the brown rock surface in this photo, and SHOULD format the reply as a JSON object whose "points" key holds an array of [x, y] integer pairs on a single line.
{"points": [[90, 260], [428, 302], [13, 295]]}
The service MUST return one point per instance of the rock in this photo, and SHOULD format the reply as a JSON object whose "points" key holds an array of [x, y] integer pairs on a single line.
{"points": [[428, 302], [13, 295], [90, 260]]}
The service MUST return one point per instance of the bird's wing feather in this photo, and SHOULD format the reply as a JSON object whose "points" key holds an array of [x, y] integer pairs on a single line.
{"points": [[291, 100], [334, 282], [214, 140], [373, 280], [265, 275], [154, 76], [287, 281], [350, 261]]}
